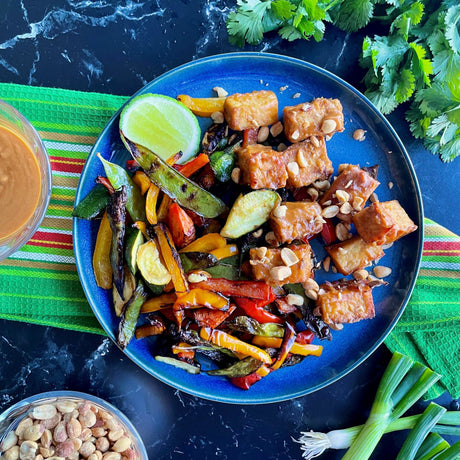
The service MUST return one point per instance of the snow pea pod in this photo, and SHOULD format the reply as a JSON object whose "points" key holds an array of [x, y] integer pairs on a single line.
{"points": [[93, 205], [118, 177]]}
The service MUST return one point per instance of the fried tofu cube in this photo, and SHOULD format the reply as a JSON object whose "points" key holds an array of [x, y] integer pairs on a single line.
{"points": [[307, 163], [261, 167], [383, 222], [277, 267], [251, 110], [298, 220], [354, 185], [353, 254], [345, 301], [320, 117]]}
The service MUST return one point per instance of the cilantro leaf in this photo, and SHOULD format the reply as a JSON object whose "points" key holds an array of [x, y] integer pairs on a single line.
{"points": [[405, 86], [451, 150], [283, 9], [383, 101], [421, 66], [289, 33], [412, 16], [353, 15], [452, 21], [446, 65], [388, 51]]}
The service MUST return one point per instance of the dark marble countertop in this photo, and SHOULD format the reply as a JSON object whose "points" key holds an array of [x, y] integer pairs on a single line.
{"points": [[117, 46]]}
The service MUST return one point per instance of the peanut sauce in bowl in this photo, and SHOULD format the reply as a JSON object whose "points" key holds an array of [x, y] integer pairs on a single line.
{"points": [[25, 180]]}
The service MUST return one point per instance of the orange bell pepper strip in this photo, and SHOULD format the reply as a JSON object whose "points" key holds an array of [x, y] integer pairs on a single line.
{"points": [[142, 181], [253, 289], [174, 159], [230, 342], [297, 348], [101, 257], [206, 243], [211, 318], [142, 227], [147, 330], [159, 302], [151, 204], [180, 225], [194, 165], [171, 258], [203, 107], [226, 251], [183, 350], [196, 298]]}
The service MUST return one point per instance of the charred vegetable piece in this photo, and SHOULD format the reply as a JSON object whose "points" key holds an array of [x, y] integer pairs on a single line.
{"points": [[211, 318], [134, 239], [118, 177], [142, 181], [206, 243], [130, 315], [246, 382], [183, 190], [227, 268], [151, 266], [101, 257], [286, 345], [251, 326], [215, 137], [93, 205], [128, 290], [191, 369], [171, 258], [240, 369], [297, 348], [249, 212], [180, 225], [156, 327], [227, 251], [254, 289], [225, 340], [116, 213], [197, 261]]}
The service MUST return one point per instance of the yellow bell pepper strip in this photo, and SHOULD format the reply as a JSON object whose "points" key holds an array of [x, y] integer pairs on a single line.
{"points": [[203, 107], [230, 342], [206, 243], [296, 349], [101, 258], [140, 225], [183, 351], [263, 370], [163, 209], [224, 252], [142, 181], [171, 258], [286, 345], [159, 302], [151, 204]]}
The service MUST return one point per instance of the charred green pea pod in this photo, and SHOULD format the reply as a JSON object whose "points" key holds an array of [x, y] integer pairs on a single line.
{"points": [[197, 261], [240, 369], [175, 185], [118, 177], [251, 326], [130, 315], [93, 205], [116, 213]]}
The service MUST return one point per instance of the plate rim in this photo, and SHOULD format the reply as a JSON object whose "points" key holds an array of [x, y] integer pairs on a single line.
{"points": [[246, 397]]}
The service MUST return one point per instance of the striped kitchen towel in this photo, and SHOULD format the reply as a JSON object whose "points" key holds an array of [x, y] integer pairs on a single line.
{"points": [[39, 283]]}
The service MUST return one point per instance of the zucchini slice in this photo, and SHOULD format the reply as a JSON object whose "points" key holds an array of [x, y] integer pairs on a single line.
{"points": [[150, 264], [249, 212], [134, 240]]}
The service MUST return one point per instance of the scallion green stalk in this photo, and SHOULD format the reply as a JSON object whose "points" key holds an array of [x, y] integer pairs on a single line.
{"points": [[452, 453], [425, 423], [432, 445]]}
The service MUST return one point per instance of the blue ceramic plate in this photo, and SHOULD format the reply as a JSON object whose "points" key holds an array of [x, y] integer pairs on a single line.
{"points": [[244, 72]]}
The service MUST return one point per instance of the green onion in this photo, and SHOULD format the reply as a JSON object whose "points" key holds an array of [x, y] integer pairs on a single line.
{"points": [[432, 445], [452, 453], [425, 423]]}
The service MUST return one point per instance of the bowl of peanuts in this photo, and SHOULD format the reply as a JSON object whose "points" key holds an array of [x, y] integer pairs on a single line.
{"points": [[68, 425]]}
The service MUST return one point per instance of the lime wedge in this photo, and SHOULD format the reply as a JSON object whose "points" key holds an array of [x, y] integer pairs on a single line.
{"points": [[162, 124]]}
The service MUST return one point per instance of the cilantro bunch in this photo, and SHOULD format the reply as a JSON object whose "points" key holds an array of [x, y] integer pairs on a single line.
{"points": [[418, 61]]}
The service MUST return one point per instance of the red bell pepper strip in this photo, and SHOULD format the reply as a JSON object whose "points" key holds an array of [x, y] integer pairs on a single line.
{"points": [[247, 381], [255, 309], [193, 166], [105, 182], [250, 136], [328, 232], [181, 226], [132, 165], [305, 337], [253, 289]]}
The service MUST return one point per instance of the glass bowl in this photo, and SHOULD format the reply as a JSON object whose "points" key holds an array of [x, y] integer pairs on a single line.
{"points": [[14, 121], [104, 418]]}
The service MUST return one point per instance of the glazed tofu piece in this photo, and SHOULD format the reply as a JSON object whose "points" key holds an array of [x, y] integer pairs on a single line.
{"points": [[354, 185], [251, 110], [345, 301], [383, 223], [261, 167], [353, 254], [307, 162], [320, 117], [298, 220], [277, 267]]}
